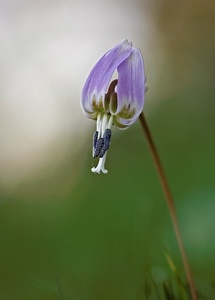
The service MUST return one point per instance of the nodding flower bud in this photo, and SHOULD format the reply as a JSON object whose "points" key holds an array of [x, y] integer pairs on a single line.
{"points": [[119, 102]]}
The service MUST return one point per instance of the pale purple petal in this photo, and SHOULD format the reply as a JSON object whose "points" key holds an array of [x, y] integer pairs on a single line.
{"points": [[131, 87], [100, 76]]}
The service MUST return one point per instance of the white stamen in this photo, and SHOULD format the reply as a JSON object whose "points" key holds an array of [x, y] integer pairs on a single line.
{"points": [[104, 123], [98, 122], [110, 122], [99, 125]]}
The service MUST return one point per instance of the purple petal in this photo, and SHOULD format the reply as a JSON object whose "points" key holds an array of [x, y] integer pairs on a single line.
{"points": [[130, 88], [100, 76]]}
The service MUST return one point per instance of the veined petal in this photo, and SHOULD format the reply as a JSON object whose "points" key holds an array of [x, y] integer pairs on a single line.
{"points": [[91, 115], [130, 88], [99, 78]]}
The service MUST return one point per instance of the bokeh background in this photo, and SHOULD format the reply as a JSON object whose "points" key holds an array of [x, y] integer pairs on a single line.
{"points": [[66, 233]]}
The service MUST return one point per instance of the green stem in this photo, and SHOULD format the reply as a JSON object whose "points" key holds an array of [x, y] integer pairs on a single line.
{"points": [[170, 204]]}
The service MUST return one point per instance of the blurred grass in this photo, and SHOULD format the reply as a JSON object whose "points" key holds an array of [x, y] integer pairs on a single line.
{"points": [[70, 234], [104, 237]]}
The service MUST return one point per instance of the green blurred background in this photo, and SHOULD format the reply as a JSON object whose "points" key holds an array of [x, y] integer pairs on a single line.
{"points": [[66, 233]]}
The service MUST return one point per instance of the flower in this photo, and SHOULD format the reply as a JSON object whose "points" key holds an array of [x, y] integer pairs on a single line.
{"points": [[119, 102]]}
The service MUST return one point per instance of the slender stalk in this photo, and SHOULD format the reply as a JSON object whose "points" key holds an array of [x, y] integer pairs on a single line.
{"points": [[170, 204]]}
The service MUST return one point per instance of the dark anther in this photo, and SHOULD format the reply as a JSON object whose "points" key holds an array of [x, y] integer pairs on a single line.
{"points": [[95, 139], [107, 138], [102, 152], [99, 145]]}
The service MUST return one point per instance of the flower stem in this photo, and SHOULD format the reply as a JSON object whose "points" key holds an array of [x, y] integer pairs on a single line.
{"points": [[170, 204]]}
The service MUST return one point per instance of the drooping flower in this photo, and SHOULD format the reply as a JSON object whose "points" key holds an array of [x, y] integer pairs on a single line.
{"points": [[119, 102]]}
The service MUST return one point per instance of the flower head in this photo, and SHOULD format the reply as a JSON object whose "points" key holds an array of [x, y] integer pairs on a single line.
{"points": [[119, 102]]}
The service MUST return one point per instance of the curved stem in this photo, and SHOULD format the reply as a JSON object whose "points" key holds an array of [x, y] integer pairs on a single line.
{"points": [[170, 204]]}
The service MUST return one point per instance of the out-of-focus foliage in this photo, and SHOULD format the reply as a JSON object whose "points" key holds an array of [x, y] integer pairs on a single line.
{"points": [[69, 234]]}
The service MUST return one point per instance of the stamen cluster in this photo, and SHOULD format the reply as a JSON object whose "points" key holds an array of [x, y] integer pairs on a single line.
{"points": [[101, 140]]}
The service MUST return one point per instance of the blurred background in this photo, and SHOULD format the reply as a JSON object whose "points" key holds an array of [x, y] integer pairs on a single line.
{"points": [[66, 233]]}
